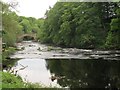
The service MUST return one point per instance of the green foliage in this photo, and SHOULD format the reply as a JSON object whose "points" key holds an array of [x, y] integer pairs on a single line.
{"points": [[15, 82], [113, 38], [30, 25], [0, 79], [15, 26], [7, 52], [11, 81], [40, 23], [82, 25], [11, 28], [26, 25]]}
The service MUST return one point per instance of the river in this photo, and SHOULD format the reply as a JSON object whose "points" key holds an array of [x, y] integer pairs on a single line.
{"points": [[71, 67]]}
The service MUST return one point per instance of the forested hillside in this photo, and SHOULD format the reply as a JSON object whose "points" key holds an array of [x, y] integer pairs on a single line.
{"points": [[14, 26], [83, 25]]}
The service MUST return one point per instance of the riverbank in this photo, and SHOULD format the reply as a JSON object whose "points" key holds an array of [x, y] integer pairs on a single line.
{"points": [[11, 81], [8, 62]]}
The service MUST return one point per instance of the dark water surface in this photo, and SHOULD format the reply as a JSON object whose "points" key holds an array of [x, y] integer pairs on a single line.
{"points": [[86, 73], [67, 67]]}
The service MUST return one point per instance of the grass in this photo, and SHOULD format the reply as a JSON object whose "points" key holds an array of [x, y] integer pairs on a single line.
{"points": [[0, 79], [11, 82]]}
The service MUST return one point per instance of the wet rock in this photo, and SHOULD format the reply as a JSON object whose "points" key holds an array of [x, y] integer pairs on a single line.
{"points": [[39, 49], [114, 52], [31, 45], [102, 52], [59, 55], [50, 48], [96, 57], [8, 58], [22, 48], [35, 53]]}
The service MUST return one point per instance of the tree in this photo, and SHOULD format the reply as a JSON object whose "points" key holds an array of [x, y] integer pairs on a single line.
{"points": [[11, 27], [81, 25], [113, 38]]}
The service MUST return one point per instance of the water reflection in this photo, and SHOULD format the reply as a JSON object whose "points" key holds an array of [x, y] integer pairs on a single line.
{"points": [[86, 73], [34, 71]]}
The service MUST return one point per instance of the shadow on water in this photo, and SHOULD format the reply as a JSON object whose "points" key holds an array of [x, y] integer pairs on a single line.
{"points": [[27, 38], [85, 73]]}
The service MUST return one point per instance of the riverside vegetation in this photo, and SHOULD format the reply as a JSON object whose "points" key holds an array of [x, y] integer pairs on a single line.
{"points": [[12, 81], [81, 25]]}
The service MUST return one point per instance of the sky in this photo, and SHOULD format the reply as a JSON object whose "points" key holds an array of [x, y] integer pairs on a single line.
{"points": [[33, 8]]}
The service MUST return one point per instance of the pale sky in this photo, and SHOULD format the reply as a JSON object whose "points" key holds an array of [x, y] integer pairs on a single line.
{"points": [[33, 8]]}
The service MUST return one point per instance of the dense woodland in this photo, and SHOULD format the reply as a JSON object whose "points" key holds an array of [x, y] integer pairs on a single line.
{"points": [[15, 26], [81, 25]]}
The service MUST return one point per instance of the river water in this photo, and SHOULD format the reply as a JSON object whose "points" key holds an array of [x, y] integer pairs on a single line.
{"points": [[70, 67]]}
